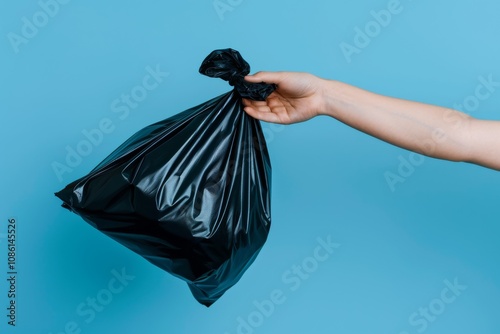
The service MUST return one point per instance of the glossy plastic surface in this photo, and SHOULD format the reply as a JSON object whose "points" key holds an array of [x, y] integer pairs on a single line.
{"points": [[191, 193]]}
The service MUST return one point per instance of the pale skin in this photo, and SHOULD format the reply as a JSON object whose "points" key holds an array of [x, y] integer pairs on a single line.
{"points": [[434, 131]]}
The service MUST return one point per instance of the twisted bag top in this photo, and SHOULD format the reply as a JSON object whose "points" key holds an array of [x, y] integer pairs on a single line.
{"points": [[228, 65], [191, 193]]}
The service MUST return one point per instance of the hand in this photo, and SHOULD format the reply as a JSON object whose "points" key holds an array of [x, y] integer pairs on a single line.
{"points": [[298, 97]]}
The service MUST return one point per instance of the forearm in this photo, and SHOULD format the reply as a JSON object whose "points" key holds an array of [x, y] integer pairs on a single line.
{"points": [[431, 130]]}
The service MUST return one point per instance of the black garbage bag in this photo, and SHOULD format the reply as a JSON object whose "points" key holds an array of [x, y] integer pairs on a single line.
{"points": [[191, 193]]}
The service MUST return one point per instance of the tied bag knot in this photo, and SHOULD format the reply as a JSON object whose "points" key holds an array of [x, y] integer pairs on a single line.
{"points": [[229, 65]]}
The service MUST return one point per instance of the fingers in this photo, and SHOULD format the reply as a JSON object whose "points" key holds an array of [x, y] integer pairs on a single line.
{"points": [[266, 116], [271, 105], [274, 102], [257, 105], [268, 77], [270, 111], [248, 102]]}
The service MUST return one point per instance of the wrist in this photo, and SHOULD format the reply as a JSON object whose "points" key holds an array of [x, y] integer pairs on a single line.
{"points": [[331, 97]]}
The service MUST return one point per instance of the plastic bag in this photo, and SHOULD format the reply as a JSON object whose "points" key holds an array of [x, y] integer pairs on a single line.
{"points": [[191, 193]]}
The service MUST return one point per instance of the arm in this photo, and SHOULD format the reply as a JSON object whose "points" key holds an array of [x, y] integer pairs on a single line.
{"points": [[431, 130]]}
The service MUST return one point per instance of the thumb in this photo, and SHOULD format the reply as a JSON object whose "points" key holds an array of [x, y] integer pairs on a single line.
{"points": [[267, 77]]}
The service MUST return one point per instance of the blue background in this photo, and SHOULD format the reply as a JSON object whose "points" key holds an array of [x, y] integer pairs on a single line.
{"points": [[397, 247]]}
